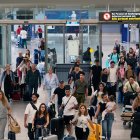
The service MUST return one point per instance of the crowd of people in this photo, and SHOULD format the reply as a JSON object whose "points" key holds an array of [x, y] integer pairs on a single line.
{"points": [[109, 86]]}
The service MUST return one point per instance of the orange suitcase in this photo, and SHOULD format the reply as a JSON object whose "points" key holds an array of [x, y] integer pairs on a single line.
{"points": [[97, 134]]}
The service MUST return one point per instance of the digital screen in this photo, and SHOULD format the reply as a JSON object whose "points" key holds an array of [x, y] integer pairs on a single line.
{"points": [[119, 16]]}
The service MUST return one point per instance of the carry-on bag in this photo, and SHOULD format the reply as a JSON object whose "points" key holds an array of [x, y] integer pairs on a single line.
{"points": [[135, 133], [26, 96], [16, 95], [13, 125], [57, 127], [50, 137], [69, 138], [11, 135], [95, 134]]}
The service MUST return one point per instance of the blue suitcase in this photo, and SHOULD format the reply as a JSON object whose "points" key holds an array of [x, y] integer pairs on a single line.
{"points": [[69, 138], [50, 137]]}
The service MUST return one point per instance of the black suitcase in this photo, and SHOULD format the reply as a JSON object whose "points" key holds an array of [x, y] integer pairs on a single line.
{"points": [[26, 96], [57, 127], [135, 133], [11, 135], [69, 138]]}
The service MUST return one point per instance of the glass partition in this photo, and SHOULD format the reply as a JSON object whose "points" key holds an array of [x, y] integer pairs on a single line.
{"points": [[90, 38], [55, 45], [72, 41]]}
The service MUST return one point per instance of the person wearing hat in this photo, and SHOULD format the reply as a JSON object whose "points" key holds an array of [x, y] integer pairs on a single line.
{"points": [[112, 79], [95, 74], [29, 114], [81, 89], [69, 103], [60, 92]]}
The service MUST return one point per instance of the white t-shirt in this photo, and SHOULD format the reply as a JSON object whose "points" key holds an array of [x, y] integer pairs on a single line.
{"points": [[23, 34], [135, 86], [110, 105], [112, 77], [83, 121], [69, 105], [31, 112]]}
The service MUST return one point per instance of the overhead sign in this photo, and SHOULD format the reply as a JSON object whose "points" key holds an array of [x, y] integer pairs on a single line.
{"points": [[119, 16]]}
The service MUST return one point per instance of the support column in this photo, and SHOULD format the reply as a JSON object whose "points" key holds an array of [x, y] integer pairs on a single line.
{"points": [[81, 43], [8, 44], [64, 45], [139, 42], [100, 44], [46, 47]]}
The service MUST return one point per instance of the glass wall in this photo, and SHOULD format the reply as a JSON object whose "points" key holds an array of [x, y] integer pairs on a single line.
{"points": [[5, 45], [90, 38], [55, 44]]}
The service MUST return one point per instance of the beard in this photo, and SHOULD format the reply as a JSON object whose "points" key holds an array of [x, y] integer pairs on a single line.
{"points": [[34, 101]]}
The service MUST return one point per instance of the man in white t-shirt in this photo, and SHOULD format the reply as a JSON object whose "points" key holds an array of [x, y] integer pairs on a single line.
{"points": [[112, 79], [69, 103], [23, 35], [130, 89], [29, 114]]}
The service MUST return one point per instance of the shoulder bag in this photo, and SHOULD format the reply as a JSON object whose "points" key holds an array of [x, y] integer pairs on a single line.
{"points": [[132, 94], [33, 106], [13, 125], [61, 111]]}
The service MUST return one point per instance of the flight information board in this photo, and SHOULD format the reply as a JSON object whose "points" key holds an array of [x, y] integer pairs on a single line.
{"points": [[119, 16]]}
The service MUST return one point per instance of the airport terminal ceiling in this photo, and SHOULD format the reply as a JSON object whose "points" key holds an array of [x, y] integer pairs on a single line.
{"points": [[69, 3]]}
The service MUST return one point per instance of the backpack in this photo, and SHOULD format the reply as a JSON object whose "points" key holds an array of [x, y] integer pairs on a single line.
{"points": [[86, 56]]}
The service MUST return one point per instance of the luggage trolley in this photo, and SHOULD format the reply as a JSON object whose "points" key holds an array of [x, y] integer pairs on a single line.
{"points": [[127, 114]]}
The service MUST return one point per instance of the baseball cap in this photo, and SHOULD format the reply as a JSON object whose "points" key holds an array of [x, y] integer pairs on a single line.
{"points": [[61, 81]]}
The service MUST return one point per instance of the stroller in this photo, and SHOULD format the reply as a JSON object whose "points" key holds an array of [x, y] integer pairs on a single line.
{"points": [[127, 114]]}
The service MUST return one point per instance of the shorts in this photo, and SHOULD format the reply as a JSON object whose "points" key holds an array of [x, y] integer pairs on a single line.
{"points": [[67, 119]]}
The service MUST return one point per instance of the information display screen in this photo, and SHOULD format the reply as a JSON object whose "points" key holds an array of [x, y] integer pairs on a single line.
{"points": [[119, 16]]}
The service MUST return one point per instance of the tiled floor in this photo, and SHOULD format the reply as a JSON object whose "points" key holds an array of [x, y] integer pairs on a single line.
{"points": [[118, 132]]}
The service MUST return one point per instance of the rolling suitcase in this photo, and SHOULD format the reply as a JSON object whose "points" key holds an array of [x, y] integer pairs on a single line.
{"points": [[57, 127], [69, 138], [135, 132], [16, 95], [26, 96], [11, 135], [98, 132], [50, 137]]}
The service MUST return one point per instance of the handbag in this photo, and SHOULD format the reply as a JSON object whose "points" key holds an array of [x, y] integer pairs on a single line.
{"points": [[61, 111], [13, 125], [134, 94]]}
